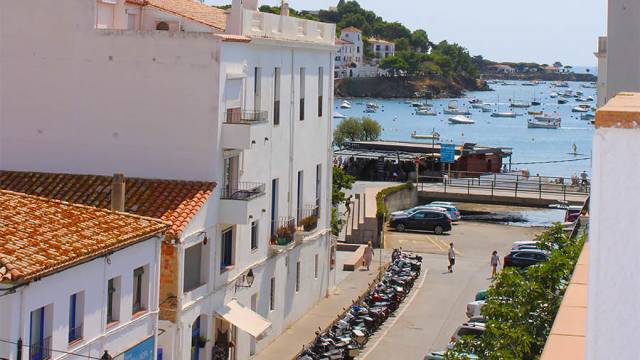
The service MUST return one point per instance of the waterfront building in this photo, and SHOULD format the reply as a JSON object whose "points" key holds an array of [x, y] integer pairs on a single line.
{"points": [[382, 48], [601, 54], [231, 110], [76, 280]]}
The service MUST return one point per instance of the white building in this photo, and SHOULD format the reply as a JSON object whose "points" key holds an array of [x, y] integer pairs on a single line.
{"points": [[622, 46], [76, 281], [177, 90], [382, 48], [350, 53], [601, 54]]}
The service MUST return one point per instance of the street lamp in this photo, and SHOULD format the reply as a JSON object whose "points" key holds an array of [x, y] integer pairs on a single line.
{"points": [[246, 280]]}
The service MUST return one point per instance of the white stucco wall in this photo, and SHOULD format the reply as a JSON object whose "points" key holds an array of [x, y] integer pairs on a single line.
{"points": [[623, 48], [613, 246], [91, 278]]}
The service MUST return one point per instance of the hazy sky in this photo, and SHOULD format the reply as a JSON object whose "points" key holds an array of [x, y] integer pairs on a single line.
{"points": [[542, 31]]}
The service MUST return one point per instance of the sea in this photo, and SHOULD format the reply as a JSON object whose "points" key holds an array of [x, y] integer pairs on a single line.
{"points": [[547, 152]]}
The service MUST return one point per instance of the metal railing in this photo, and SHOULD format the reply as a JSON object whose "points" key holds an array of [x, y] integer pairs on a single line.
{"points": [[578, 224], [243, 191], [75, 333], [308, 217], [513, 183], [246, 117], [284, 231], [40, 350]]}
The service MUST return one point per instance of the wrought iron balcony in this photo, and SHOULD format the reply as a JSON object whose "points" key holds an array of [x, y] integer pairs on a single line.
{"points": [[308, 217], [284, 230], [40, 350], [246, 117], [243, 191]]}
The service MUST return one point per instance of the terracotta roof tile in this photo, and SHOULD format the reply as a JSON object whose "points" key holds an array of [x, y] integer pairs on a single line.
{"points": [[39, 236], [172, 201], [190, 9], [351, 29]]}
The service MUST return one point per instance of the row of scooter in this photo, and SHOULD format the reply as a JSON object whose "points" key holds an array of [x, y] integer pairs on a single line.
{"points": [[348, 335]]}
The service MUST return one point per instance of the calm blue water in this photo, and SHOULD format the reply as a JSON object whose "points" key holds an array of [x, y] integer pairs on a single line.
{"points": [[529, 145]]}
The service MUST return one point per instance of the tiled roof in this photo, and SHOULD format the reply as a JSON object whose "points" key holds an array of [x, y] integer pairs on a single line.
{"points": [[379, 41], [342, 42], [351, 29], [190, 9], [233, 38], [40, 236], [169, 200]]}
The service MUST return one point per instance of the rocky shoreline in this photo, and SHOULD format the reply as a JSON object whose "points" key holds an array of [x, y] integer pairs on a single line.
{"points": [[407, 87]]}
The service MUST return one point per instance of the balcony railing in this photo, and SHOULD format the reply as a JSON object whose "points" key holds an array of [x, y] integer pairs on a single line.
{"points": [[246, 117], [75, 333], [308, 217], [243, 191], [284, 231], [40, 350]]}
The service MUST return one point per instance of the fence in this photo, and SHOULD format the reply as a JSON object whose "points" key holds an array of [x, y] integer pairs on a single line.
{"points": [[515, 183], [243, 191]]}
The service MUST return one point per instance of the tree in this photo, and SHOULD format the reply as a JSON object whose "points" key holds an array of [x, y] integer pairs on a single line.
{"points": [[420, 41], [349, 129], [557, 64], [394, 64], [371, 129], [341, 181]]}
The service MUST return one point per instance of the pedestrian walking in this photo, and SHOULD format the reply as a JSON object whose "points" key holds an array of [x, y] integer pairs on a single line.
{"points": [[452, 257], [347, 204], [368, 255], [495, 261]]}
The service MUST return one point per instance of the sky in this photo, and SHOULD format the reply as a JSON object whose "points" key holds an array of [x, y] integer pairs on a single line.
{"points": [[542, 31]]}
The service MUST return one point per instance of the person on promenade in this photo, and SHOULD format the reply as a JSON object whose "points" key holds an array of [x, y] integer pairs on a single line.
{"points": [[495, 261], [368, 255], [347, 204], [452, 257]]}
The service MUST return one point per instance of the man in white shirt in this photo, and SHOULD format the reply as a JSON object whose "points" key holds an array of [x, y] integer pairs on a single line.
{"points": [[452, 257]]}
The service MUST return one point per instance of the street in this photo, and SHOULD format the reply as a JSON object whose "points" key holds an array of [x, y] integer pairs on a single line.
{"points": [[437, 304]]}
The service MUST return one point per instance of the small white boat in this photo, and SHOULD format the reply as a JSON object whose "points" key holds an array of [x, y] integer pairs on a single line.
{"points": [[581, 109], [417, 104], [456, 112], [547, 118], [477, 105], [504, 114], [345, 105], [373, 105], [554, 95], [520, 105], [589, 98], [460, 119], [579, 92], [587, 117], [486, 108], [433, 136], [426, 112], [337, 115], [537, 124]]}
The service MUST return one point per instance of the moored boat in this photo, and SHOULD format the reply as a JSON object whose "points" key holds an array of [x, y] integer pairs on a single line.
{"points": [[456, 112], [337, 115], [433, 136], [538, 113], [581, 108], [504, 114], [461, 119], [345, 105], [426, 112], [562, 101], [538, 124], [486, 108], [520, 104], [587, 117]]}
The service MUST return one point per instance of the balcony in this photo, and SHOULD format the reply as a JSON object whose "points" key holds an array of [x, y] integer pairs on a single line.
{"points": [[284, 231], [241, 129], [40, 350], [271, 26], [308, 218], [241, 203]]}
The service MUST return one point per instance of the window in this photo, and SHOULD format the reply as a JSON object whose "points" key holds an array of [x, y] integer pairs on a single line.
{"points": [[113, 300], [226, 252], [302, 92], [318, 186], [272, 294], [131, 21], [300, 194], [315, 267], [320, 89], [192, 267], [298, 276], [257, 88], [76, 314], [162, 26], [40, 333], [274, 205], [104, 14], [276, 96], [140, 289], [254, 235]]}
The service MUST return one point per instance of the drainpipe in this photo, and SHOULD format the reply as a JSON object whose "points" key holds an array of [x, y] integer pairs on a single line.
{"points": [[292, 131]]}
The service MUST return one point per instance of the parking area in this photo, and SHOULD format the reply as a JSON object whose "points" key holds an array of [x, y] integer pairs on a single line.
{"points": [[438, 308]]}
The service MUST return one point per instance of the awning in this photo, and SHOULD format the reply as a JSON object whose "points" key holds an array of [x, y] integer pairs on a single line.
{"points": [[244, 318]]}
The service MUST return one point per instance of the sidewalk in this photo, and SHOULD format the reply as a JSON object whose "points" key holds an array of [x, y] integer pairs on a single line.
{"points": [[302, 332]]}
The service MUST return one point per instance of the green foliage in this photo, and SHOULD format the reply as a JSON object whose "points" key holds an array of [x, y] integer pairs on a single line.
{"points": [[381, 207], [336, 222], [356, 129], [341, 181], [394, 64], [522, 304], [420, 40]]}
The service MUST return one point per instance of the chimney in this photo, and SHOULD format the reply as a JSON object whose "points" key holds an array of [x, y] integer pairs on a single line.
{"points": [[284, 9], [117, 192]]}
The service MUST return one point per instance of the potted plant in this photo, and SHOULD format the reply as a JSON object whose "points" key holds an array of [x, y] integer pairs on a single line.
{"points": [[201, 341], [309, 223]]}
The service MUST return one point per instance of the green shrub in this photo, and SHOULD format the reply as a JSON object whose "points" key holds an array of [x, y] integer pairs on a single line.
{"points": [[381, 207]]}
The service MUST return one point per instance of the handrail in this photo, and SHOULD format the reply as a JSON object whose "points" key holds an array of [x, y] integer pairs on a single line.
{"points": [[243, 191]]}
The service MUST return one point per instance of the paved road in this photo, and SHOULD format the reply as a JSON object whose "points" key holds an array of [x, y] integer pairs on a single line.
{"points": [[438, 307]]}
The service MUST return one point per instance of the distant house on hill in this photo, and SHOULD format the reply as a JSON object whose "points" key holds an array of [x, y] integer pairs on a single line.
{"points": [[382, 48], [349, 60], [501, 69]]}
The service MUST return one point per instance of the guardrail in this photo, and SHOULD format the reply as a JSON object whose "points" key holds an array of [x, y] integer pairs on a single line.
{"points": [[511, 183], [245, 117], [243, 191], [308, 217], [40, 350], [578, 225]]}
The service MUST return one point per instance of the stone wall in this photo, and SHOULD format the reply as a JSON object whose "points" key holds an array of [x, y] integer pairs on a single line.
{"points": [[168, 282]]}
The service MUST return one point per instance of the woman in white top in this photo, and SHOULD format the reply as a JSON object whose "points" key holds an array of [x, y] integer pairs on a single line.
{"points": [[495, 261]]}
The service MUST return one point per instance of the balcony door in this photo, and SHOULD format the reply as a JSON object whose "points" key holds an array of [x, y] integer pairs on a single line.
{"points": [[231, 175], [300, 194]]}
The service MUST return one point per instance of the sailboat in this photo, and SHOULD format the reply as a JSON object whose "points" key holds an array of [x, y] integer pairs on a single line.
{"points": [[460, 119], [452, 109], [503, 114]]}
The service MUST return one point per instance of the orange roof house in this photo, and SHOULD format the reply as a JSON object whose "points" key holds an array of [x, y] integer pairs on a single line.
{"points": [[40, 236], [172, 201], [193, 10], [351, 29]]}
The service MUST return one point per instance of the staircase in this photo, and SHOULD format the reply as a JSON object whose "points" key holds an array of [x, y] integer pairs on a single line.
{"points": [[361, 225]]}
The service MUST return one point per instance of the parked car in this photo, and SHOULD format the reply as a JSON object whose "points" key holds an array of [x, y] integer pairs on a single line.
{"points": [[416, 209], [451, 210], [478, 319], [429, 220], [525, 258], [466, 329], [519, 244], [474, 308], [439, 355], [447, 203]]}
